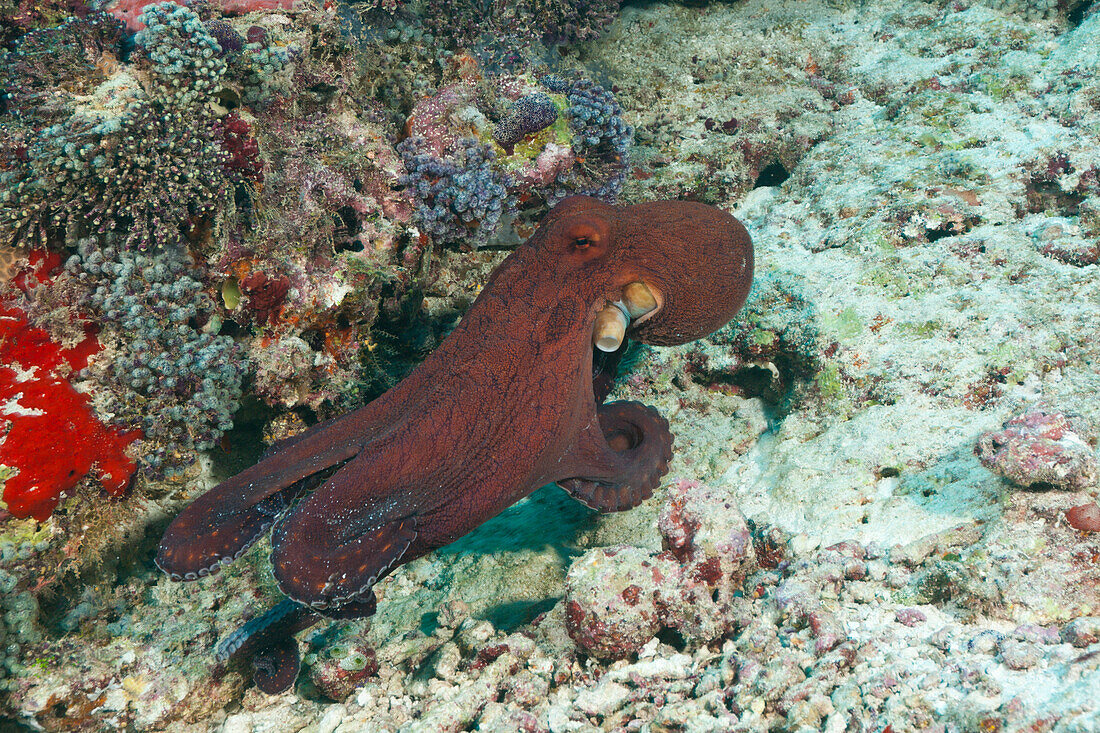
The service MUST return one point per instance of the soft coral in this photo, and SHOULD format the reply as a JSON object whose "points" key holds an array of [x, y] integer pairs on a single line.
{"points": [[47, 430]]}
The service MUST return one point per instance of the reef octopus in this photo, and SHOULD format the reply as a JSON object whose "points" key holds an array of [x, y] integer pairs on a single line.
{"points": [[510, 401]]}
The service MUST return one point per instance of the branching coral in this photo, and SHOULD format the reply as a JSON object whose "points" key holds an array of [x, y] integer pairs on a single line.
{"points": [[22, 15], [108, 176], [184, 59], [165, 370], [145, 161], [460, 199], [48, 68]]}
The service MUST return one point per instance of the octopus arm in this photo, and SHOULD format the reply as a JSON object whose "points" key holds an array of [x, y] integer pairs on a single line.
{"points": [[225, 521], [348, 534], [619, 465]]}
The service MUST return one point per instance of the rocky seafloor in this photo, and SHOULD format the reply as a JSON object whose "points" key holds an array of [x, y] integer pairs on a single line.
{"points": [[881, 514]]}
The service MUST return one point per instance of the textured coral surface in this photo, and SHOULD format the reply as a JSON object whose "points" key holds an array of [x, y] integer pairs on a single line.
{"points": [[882, 510]]}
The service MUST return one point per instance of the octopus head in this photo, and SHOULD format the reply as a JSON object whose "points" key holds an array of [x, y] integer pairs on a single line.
{"points": [[664, 273]]}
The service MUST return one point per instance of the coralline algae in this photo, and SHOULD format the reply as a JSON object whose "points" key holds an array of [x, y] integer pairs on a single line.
{"points": [[882, 509]]}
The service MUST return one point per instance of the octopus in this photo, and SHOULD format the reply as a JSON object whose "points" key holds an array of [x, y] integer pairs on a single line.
{"points": [[513, 399]]}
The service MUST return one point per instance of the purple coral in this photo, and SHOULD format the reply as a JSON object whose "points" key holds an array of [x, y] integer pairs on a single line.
{"points": [[601, 141], [459, 199], [1041, 448], [528, 115], [228, 39]]}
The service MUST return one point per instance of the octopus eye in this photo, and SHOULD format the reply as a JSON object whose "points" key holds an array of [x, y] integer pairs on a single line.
{"points": [[585, 237]]}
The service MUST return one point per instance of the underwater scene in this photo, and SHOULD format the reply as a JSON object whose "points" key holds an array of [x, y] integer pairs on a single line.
{"points": [[550, 366]]}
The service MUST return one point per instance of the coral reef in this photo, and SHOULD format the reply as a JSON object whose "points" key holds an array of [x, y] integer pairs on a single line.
{"points": [[921, 182]]}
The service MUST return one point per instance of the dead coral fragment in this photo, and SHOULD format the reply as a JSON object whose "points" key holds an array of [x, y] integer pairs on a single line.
{"points": [[1041, 448], [612, 599], [618, 598]]}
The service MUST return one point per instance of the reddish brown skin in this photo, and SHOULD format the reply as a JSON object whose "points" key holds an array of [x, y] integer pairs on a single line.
{"points": [[505, 405]]}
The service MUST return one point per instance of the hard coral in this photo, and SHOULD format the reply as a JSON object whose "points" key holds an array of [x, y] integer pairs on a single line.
{"points": [[22, 15], [460, 199], [164, 373], [143, 160], [182, 56], [49, 69]]}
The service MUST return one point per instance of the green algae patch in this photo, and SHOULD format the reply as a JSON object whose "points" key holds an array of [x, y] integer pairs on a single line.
{"points": [[846, 324], [925, 330], [829, 383]]}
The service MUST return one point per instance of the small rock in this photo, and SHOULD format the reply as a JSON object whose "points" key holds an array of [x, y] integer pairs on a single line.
{"points": [[1037, 634], [910, 616], [1082, 632], [611, 599], [985, 642], [1019, 654], [1041, 448], [604, 699]]}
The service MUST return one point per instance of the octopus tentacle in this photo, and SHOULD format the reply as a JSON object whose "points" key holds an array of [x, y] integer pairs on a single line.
{"points": [[345, 537], [640, 446], [269, 640], [234, 514]]}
